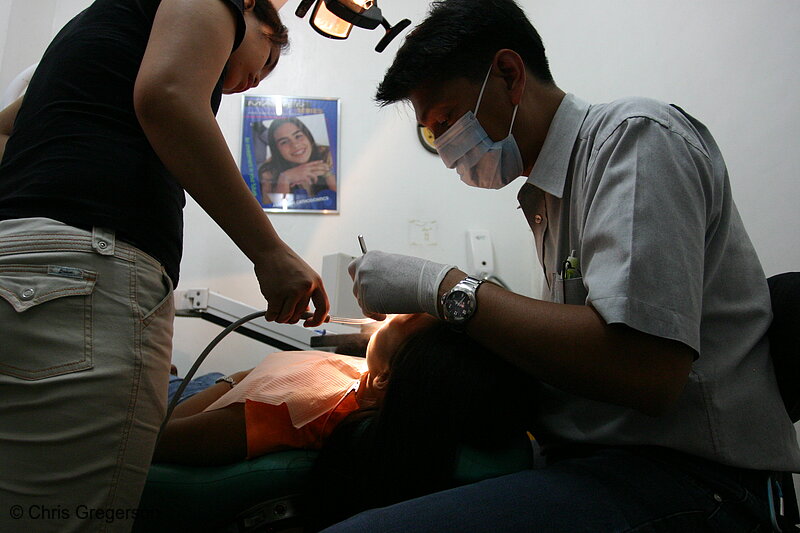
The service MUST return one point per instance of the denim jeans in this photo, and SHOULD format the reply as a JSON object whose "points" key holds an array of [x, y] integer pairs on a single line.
{"points": [[85, 351], [631, 489], [198, 384]]}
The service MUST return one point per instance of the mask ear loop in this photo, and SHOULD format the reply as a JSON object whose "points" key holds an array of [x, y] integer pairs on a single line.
{"points": [[513, 116], [480, 97], [483, 87]]}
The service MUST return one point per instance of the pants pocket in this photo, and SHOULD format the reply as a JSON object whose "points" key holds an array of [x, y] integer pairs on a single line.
{"points": [[162, 295], [46, 317]]}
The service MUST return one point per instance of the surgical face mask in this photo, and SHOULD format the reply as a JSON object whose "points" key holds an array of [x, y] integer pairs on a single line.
{"points": [[480, 161]]}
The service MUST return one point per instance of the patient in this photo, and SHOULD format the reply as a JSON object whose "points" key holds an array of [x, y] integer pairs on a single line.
{"points": [[296, 399], [291, 400], [444, 394], [400, 417]]}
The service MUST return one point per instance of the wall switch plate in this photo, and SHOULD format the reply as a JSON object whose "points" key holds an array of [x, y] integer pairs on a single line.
{"points": [[422, 232]]}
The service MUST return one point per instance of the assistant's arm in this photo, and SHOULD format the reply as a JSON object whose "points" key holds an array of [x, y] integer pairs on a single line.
{"points": [[572, 348], [7, 118], [189, 46]]}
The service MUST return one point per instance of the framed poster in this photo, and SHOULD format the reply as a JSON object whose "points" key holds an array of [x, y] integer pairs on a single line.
{"points": [[290, 152]]}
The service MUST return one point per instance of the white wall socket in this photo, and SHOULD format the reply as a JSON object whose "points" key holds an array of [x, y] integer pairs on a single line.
{"points": [[480, 254]]}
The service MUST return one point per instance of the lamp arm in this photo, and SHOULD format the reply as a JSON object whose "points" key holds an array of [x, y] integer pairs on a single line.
{"points": [[391, 33]]}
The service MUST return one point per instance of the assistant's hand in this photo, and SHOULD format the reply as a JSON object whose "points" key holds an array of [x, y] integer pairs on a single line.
{"points": [[391, 283], [288, 283]]}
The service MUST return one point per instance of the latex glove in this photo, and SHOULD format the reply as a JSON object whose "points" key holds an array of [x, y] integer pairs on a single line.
{"points": [[386, 283]]}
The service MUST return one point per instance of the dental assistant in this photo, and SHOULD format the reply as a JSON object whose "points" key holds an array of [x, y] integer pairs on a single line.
{"points": [[659, 409], [118, 120]]}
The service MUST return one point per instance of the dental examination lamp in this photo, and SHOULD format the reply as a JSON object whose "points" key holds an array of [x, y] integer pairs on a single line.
{"points": [[335, 18]]}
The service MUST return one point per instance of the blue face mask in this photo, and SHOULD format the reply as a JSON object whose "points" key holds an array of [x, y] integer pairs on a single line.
{"points": [[480, 161]]}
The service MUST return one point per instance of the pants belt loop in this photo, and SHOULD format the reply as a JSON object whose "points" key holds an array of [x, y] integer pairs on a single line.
{"points": [[103, 241]]}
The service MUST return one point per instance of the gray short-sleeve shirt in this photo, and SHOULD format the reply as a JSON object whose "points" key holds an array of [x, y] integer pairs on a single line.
{"points": [[638, 190]]}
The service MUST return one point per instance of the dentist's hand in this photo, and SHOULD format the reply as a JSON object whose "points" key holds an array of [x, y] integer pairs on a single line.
{"points": [[386, 283]]}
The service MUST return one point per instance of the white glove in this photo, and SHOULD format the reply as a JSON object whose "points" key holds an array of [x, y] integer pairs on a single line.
{"points": [[391, 283]]}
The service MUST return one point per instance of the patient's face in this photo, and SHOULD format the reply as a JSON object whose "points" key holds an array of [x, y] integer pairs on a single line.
{"points": [[384, 343]]}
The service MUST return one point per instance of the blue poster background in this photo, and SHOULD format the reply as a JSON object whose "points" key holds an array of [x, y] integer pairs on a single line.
{"points": [[258, 109]]}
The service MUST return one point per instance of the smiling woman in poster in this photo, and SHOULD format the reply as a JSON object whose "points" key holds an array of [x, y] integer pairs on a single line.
{"points": [[297, 164]]}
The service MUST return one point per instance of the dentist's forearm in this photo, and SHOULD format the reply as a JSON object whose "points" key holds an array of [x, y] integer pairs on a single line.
{"points": [[572, 348]]}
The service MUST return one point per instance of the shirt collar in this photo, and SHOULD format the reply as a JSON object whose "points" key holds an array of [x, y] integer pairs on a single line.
{"points": [[550, 170]]}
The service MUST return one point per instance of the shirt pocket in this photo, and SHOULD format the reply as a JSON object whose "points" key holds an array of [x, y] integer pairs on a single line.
{"points": [[46, 317], [568, 291]]}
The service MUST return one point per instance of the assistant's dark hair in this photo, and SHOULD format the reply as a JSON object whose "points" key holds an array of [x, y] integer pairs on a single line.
{"points": [[445, 391], [266, 13], [459, 38], [276, 162]]}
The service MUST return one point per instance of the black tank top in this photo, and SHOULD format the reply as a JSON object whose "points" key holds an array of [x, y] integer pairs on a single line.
{"points": [[77, 153]]}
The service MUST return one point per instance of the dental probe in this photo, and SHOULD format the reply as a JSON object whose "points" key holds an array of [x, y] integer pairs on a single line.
{"points": [[339, 319], [345, 320]]}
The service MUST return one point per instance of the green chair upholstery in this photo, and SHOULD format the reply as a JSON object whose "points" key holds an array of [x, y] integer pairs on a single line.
{"points": [[206, 498], [190, 498]]}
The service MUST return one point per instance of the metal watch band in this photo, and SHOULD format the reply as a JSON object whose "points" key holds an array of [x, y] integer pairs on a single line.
{"points": [[472, 283], [468, 286]]}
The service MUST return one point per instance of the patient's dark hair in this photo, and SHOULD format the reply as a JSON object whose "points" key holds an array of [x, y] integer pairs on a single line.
{"points": [[459, 38], [445, 391]]}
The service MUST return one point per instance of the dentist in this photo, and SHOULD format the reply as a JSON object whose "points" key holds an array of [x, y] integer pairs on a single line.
{"points": [[659, 406]]}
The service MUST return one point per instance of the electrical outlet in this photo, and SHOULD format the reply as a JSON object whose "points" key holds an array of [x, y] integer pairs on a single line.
{"points": [[480, 254]]}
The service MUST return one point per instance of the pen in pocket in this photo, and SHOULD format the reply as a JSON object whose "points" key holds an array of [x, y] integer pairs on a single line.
{"points": [[570, 268]]}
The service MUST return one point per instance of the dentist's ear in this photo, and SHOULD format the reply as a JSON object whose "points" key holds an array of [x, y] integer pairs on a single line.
{"points": [[511, 67]]}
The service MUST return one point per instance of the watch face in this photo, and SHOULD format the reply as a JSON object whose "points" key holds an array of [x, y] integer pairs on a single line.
{"points": [[458, 306]]}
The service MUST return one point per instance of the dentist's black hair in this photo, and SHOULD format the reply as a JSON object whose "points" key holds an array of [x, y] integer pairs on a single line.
{"points": [[459, 38], [445, 391]]}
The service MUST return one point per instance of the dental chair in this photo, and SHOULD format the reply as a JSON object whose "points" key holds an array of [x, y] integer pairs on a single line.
{"points": [[784, 338], [265, 494]]}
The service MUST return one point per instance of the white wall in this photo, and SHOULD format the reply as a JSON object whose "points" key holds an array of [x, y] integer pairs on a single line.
{"points": [[732, 64]]}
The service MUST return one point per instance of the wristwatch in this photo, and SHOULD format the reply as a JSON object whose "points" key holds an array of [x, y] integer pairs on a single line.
{"points": [[227, 379], [461, 302]]}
